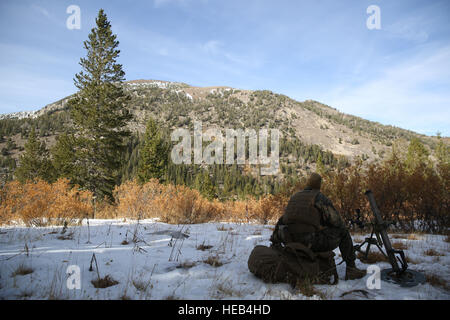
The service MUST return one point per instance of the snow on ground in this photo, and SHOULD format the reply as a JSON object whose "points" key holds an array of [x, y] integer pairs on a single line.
{"points": [[202, 261]]}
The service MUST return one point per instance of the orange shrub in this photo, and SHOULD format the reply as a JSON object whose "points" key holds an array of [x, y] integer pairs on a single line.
{"points": [[181, 204], [136, 201], [40, 203], [414, 197], [172, 204], [404, 194]]}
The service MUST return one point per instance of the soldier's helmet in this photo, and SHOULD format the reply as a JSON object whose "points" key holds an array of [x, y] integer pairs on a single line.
{"points": [[314, 181]]}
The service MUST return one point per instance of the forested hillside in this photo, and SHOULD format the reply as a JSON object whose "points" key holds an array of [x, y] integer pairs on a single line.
{"points": [[313, 134]]}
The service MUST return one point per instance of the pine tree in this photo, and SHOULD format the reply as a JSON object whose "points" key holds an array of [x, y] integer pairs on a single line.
{"points": [[442, 152], [153, 155], [34, 163], [99, 113], [63, 157], [204, 185], [417, 155], [320, 168]]}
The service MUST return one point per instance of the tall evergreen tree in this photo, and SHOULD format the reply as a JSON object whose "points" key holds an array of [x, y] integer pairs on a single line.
{"points": [[320, 167], [442, 152], [99, 112], [417, 154], [34, 163], [63, 157], [153, 155], [204, 184]]}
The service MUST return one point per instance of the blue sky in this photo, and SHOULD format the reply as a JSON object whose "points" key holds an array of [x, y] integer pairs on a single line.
{"points": [[321, 50]]}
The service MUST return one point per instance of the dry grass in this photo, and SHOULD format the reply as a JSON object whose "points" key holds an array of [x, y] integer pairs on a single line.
{"points": [[141, 285], [399, 246], [204, 247], [437, 281], [376, 256], [22, 270], [223, 228], [306, 287], [410, 236], [213, 261], [414, 236], [433, 253], [186, 265], [398, 236], [372, 257], [105, 282], [225, 288]]}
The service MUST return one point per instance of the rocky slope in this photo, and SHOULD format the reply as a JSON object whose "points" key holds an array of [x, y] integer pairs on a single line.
{"points": [[178, 105]]}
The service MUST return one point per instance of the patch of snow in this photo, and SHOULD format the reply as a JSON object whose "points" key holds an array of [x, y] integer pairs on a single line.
{"points": [[155, 84], [171, 261], [19, 115]]}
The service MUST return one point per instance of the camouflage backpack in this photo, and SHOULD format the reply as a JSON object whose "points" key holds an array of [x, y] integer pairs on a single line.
{"points": [[291, 263]]}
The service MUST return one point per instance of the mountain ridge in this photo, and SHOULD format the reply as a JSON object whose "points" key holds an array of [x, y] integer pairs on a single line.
{"points": [[177, 104], [164, 84]]}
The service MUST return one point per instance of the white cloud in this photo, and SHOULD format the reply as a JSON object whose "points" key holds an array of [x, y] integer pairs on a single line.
{"points": [[41, 10], [413, 94], [212, 46], [410, 29]]}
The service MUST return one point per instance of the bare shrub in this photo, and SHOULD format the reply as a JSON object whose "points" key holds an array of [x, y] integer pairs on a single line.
{"points": [[204, 247], [22, 270], [213, 261], [141, 285], [406, 192], [104, 282], [172, 204], [433, 253]]}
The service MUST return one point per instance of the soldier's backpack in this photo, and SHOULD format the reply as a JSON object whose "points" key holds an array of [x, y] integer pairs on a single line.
{"points": [[292, 263]]}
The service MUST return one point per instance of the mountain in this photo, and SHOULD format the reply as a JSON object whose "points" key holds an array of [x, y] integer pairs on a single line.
{"points": [[309, 128]]}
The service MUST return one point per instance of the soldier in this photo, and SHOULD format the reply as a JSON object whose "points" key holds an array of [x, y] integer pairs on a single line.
{"points": [[311, 219]]}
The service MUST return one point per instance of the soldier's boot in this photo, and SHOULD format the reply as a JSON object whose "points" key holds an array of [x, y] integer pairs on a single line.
{"points": [[352, 272]]}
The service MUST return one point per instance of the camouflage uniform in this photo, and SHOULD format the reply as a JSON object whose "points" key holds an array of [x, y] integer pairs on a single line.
{"points": [[332, 232]]}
